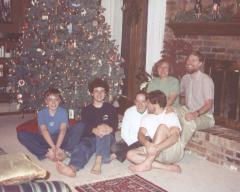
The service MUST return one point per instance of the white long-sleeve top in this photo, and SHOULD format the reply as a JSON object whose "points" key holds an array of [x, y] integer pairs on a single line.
{"points": [[131, 124]]}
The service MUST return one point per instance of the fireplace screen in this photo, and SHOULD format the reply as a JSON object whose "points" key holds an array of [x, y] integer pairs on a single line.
{"points": [[226, 77]]}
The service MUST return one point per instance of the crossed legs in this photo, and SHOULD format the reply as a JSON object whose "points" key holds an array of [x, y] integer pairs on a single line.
{"points": [[144, 161]]}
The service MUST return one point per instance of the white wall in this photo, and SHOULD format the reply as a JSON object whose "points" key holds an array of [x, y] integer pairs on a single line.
{"points": [[113, 16], [155, 28], [155, 32]]}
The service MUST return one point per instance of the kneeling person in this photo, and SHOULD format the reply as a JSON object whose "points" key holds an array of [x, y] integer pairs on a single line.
{"points": [[163, 127]]}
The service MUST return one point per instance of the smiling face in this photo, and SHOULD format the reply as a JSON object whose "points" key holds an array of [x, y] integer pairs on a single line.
{"points": [[98, 94], [193, 64], [163, 70], [141, 102], [52, 101]]}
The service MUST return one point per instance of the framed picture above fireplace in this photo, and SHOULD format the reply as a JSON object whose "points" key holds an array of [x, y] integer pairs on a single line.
{"points": [[5, 11]]}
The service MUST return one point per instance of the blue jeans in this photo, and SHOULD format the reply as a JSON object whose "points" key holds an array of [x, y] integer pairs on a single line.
{"points": [[37, 145], [89, 145]]}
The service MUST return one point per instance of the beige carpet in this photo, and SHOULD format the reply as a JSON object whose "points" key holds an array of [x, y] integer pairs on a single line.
{"points": [[198, 175]]}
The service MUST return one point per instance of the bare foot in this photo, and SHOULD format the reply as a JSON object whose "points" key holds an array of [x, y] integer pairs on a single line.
{"points": [[113, 156], [140, 167], [61, 155], [51, 155], [96, 169], [65, 169], [175, 168]]}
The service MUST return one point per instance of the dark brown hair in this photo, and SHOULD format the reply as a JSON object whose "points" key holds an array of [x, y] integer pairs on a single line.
{"points": [[197, 54], [98, 83], [52, 91], [157, 97]]}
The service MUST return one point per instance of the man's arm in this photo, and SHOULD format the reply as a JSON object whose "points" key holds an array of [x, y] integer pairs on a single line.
{"points": [[150, 147], [142, 136], [202, 110]]}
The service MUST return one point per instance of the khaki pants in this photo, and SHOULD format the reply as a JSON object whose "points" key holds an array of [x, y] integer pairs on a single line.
{"points": [[170, 155], [189, 127]]}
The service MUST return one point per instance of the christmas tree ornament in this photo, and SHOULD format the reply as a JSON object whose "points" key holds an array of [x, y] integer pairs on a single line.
{"points": [[70, 28], [34, 2], [95, 23], [20, 98], [100, 63], [21, 83], [76, 4], [44, 17], [83, 12]]}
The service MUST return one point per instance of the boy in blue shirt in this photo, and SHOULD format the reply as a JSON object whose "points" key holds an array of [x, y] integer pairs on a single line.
{"points": [[56, 137]]}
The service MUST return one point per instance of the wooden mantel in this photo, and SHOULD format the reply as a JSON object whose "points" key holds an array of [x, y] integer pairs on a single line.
{"points": [[213, 28]]}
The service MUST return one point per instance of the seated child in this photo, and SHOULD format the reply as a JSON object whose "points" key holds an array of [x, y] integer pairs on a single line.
{"points": [[56, 138]]}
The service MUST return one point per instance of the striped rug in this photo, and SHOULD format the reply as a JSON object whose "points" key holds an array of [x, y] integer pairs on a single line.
{"points": [[37, 186]]}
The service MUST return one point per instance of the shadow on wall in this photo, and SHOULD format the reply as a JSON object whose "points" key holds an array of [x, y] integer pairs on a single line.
{"points": [[176, 51]]}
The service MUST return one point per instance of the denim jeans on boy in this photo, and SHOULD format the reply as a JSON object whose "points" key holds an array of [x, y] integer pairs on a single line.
{"points": [[89, 145], [37, 145]]}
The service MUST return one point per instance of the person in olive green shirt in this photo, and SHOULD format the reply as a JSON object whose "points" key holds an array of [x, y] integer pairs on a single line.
{"points": [[167, 84]]}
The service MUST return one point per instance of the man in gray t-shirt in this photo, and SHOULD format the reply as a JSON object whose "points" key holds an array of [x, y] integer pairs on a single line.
{"points": [[197, 91]]}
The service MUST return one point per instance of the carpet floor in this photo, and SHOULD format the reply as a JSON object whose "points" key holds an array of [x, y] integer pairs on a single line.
{"points": [[130, 184], [197, 175], [2, 151]]}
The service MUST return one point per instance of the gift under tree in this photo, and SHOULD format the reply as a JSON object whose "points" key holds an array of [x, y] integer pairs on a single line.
{"points": [[64, 44]]}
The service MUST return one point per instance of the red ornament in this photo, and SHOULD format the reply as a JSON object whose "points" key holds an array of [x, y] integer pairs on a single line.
{"points": [[21, 83]]}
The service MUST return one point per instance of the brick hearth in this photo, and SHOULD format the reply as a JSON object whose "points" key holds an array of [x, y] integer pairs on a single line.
{"points": [[219, 145]]}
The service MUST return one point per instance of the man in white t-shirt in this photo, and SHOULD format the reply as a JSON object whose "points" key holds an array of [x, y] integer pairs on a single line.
{"points": [[163, 127], [130, 126]]}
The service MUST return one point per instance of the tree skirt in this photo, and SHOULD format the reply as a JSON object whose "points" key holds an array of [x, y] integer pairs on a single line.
{"points": [[131, 183]]}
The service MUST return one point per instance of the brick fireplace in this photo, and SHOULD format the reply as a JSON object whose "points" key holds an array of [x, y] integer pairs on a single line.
{"points": [[220, 43]]}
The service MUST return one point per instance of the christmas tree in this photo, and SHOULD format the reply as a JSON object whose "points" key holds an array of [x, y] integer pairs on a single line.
{"points": [[64, 44]]}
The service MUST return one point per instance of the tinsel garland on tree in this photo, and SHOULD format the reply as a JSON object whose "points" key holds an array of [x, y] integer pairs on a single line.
{"points": [[65, 44]]}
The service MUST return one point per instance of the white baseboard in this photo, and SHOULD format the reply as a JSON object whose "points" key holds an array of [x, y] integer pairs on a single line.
{"points": [[8, 107]]}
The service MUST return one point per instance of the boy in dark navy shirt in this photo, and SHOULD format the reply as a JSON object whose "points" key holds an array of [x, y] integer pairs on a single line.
{"points": [[100, 119]]}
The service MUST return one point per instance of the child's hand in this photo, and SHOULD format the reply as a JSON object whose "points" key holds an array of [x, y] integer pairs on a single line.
{"points": [[60, 154], [51, 154]]}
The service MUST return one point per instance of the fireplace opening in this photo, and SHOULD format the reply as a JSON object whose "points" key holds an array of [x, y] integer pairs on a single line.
{"points": [[226, 77]]}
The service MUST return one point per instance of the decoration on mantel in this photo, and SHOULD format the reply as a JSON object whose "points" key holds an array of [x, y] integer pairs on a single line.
{"points": [[226, 14], [216, 9], [198, 9], [207, 20]]}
